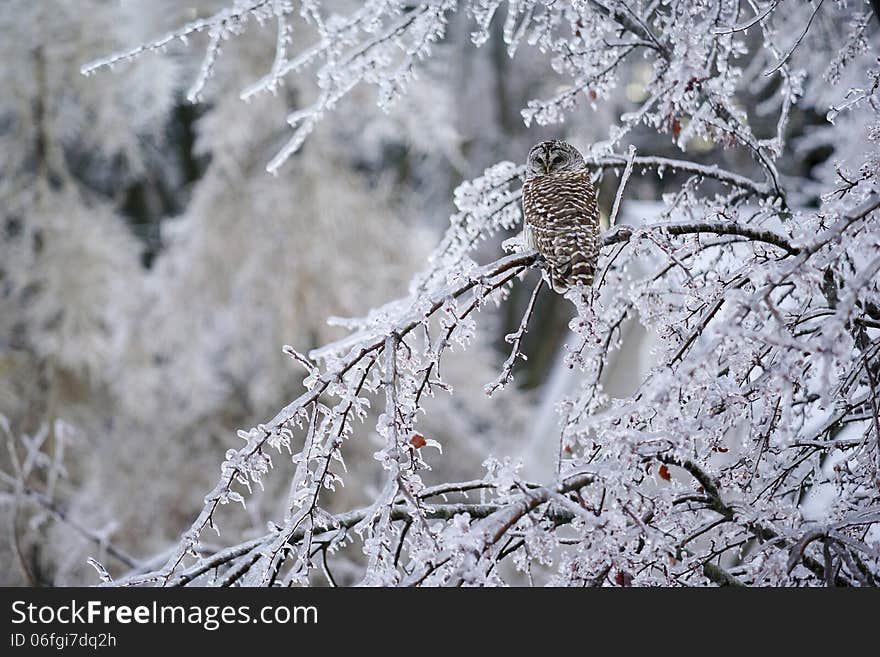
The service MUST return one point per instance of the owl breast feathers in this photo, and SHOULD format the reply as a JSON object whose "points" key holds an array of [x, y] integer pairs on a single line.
{"points": [[562, 214]]}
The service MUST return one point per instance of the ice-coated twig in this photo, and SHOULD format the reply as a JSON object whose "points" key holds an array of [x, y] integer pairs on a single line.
{"points": [[495, 525], [751, 22], [515, 339], [762, 314], [702, 170], [631, 156], [797, 42], [282, 40], [221, 20]]}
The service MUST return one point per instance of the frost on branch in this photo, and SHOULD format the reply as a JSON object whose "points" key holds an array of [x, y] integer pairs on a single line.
{"points": [[737, 442]]}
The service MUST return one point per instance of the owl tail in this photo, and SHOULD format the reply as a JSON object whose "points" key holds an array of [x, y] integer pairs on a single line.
{"points": [[582, 271], [578, 272], [559, 281]]}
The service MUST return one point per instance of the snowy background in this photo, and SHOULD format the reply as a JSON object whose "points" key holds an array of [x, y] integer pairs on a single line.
{"points": [[239, 173]]}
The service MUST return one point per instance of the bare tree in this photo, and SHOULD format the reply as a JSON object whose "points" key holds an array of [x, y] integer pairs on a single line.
{"points": [[749, 454]]}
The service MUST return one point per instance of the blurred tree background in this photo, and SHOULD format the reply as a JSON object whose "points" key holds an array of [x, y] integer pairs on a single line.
{"points": [[151, 269]]}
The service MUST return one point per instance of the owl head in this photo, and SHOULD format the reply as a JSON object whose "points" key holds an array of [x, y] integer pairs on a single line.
{"points": [[553, 156]]}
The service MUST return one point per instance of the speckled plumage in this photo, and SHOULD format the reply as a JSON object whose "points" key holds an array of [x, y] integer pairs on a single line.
{"points": [[562, 213]]}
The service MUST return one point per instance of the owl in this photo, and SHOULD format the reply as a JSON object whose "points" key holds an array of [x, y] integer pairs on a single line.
{"points": [[561, 213]]}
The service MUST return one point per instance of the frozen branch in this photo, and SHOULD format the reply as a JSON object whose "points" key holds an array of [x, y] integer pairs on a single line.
{"points": [[612, 219], [711, 172], [515, 339], [740, 319]]}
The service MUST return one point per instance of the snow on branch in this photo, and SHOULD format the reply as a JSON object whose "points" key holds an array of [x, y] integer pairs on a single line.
{"points": [[383, 42], [483, 530], [748, 450]]}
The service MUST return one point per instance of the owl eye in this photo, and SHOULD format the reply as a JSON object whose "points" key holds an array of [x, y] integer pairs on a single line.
{"points": [[557, 159]]}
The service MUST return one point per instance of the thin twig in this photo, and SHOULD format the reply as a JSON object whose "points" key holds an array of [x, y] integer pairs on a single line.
{"points": [[623, 180], [794, 46], [515, 339]]}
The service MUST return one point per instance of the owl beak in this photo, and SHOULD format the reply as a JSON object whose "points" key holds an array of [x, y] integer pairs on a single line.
{"points": [[547, 166]]}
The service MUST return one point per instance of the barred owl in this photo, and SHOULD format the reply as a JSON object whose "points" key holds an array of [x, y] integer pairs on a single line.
{"points": [[561, 213]]}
